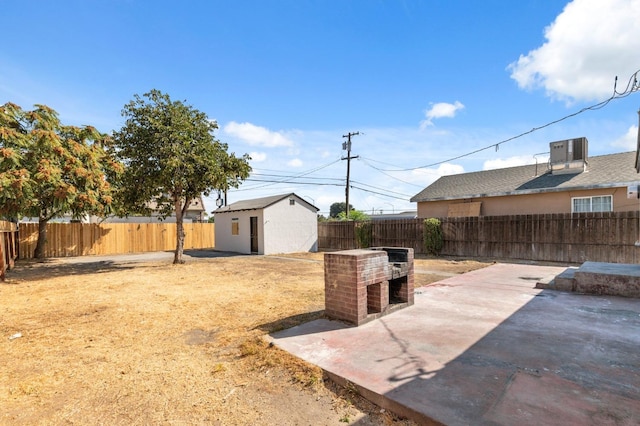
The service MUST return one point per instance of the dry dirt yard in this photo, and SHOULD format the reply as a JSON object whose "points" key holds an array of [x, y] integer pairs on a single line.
{"points": [[121, 342]]}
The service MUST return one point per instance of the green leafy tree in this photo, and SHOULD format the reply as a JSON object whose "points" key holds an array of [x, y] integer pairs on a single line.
{"points": [[171, 157], [50, 170], [336, 208], [356, 215]]}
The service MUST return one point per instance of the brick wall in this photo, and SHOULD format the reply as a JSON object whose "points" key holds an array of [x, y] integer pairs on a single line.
{"points": [[357, 285]]}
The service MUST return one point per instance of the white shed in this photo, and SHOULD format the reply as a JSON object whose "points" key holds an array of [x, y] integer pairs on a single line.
{"points": [[270, 225]]}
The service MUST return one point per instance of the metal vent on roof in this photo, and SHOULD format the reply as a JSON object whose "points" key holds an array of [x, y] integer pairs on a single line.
{"points": [[569, 155]]}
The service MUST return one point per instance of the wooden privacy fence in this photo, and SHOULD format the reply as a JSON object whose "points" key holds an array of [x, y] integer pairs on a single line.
{"points": [[81, 239], [8, 246], [388, 233], [568, 238]]}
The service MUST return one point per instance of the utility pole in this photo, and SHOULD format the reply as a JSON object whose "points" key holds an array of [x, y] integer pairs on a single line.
{"points": [[347, 146]]}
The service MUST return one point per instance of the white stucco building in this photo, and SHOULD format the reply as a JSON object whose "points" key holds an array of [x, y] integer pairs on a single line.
{"points": [[270, 225]]}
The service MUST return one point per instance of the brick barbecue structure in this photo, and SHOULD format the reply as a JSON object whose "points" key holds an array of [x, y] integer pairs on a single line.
{"points": [[364, 284]]}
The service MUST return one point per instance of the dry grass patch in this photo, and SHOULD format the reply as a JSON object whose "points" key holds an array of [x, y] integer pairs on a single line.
{"points": [[154, 343]]}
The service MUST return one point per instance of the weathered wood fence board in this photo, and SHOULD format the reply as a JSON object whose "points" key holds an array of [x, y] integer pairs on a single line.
{"points": [[8, 246], [81, 239], [336, 235], [398, 233], [570, 238]]}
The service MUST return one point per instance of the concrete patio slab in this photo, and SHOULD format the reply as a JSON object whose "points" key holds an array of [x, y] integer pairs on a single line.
{"points": [[487, 347]]}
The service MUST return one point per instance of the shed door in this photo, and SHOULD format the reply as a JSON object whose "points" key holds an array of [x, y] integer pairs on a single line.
{"points": [[253, 230]]}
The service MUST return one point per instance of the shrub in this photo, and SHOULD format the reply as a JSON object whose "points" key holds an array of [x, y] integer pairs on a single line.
{"points": [[433, 239], [363, 234]]}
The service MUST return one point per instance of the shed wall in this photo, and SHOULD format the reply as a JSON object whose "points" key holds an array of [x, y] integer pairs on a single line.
{"points": [[240, 243], [290, 228]]}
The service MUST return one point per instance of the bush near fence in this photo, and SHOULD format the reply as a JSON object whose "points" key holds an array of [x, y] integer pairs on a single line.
{"points": [[567, 238], [82, 239]]}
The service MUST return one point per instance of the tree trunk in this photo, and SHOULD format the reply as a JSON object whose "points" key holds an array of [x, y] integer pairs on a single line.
{"points": [[177, 258], [42, 239]]}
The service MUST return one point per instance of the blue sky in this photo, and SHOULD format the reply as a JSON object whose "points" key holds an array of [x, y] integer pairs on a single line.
{"points": [[423, 82]]}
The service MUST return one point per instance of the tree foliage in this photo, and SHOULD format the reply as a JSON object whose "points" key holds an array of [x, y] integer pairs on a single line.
{"points": [[171, 157], [356, 215], [337, 208], [49, 170]]}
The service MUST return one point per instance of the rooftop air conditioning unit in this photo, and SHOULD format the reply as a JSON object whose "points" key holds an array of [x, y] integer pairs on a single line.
{"points": [[568, 150], [558, 152], [568, 156]]}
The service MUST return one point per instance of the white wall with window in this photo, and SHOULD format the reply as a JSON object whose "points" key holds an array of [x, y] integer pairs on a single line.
{"points": [[283, 224], [600, 203]]}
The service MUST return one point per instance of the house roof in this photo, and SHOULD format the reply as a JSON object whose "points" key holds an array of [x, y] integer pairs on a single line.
{"points": [[409, 214], [196, 205], [260, 203], [604, 171]]}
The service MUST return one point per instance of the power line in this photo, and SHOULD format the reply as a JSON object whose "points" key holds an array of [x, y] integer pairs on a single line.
{"points": [[285, 180], [632, 86], [379, 193], [381, 189], [364, 160], [268, 175], [341, 183], [291, 183]]}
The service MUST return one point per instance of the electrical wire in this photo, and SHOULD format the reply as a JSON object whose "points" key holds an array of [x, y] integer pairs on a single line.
{"points": [[268, 175], [308, 172], [379, 188], [379, 193], [632, 86], [364, 160], [402, 196], [292, 182]]}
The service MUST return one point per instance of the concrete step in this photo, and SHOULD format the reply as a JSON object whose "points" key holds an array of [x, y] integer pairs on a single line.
{"points": [[612, 279], [566, 280], [599, 278], [561, 282]]}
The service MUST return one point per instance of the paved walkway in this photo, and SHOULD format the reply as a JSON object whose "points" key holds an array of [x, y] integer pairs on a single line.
{"points": [[487, 347]]}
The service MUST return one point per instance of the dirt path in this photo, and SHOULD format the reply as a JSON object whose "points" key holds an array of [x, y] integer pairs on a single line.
{"points": [[146, 342]]}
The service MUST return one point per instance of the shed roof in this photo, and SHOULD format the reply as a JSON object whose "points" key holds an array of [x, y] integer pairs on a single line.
{"points": [[260, 203], [604, 171]]}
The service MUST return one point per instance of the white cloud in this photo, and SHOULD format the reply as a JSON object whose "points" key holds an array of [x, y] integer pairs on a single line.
{"points": [[588, 44], [258, 157], [428, 176], [296, 162], [519, 160], [628, 141], [441, 110], [257, 135]]}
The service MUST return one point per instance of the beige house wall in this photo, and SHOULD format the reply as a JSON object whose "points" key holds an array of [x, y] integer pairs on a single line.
{"points": [[541, 203]]}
